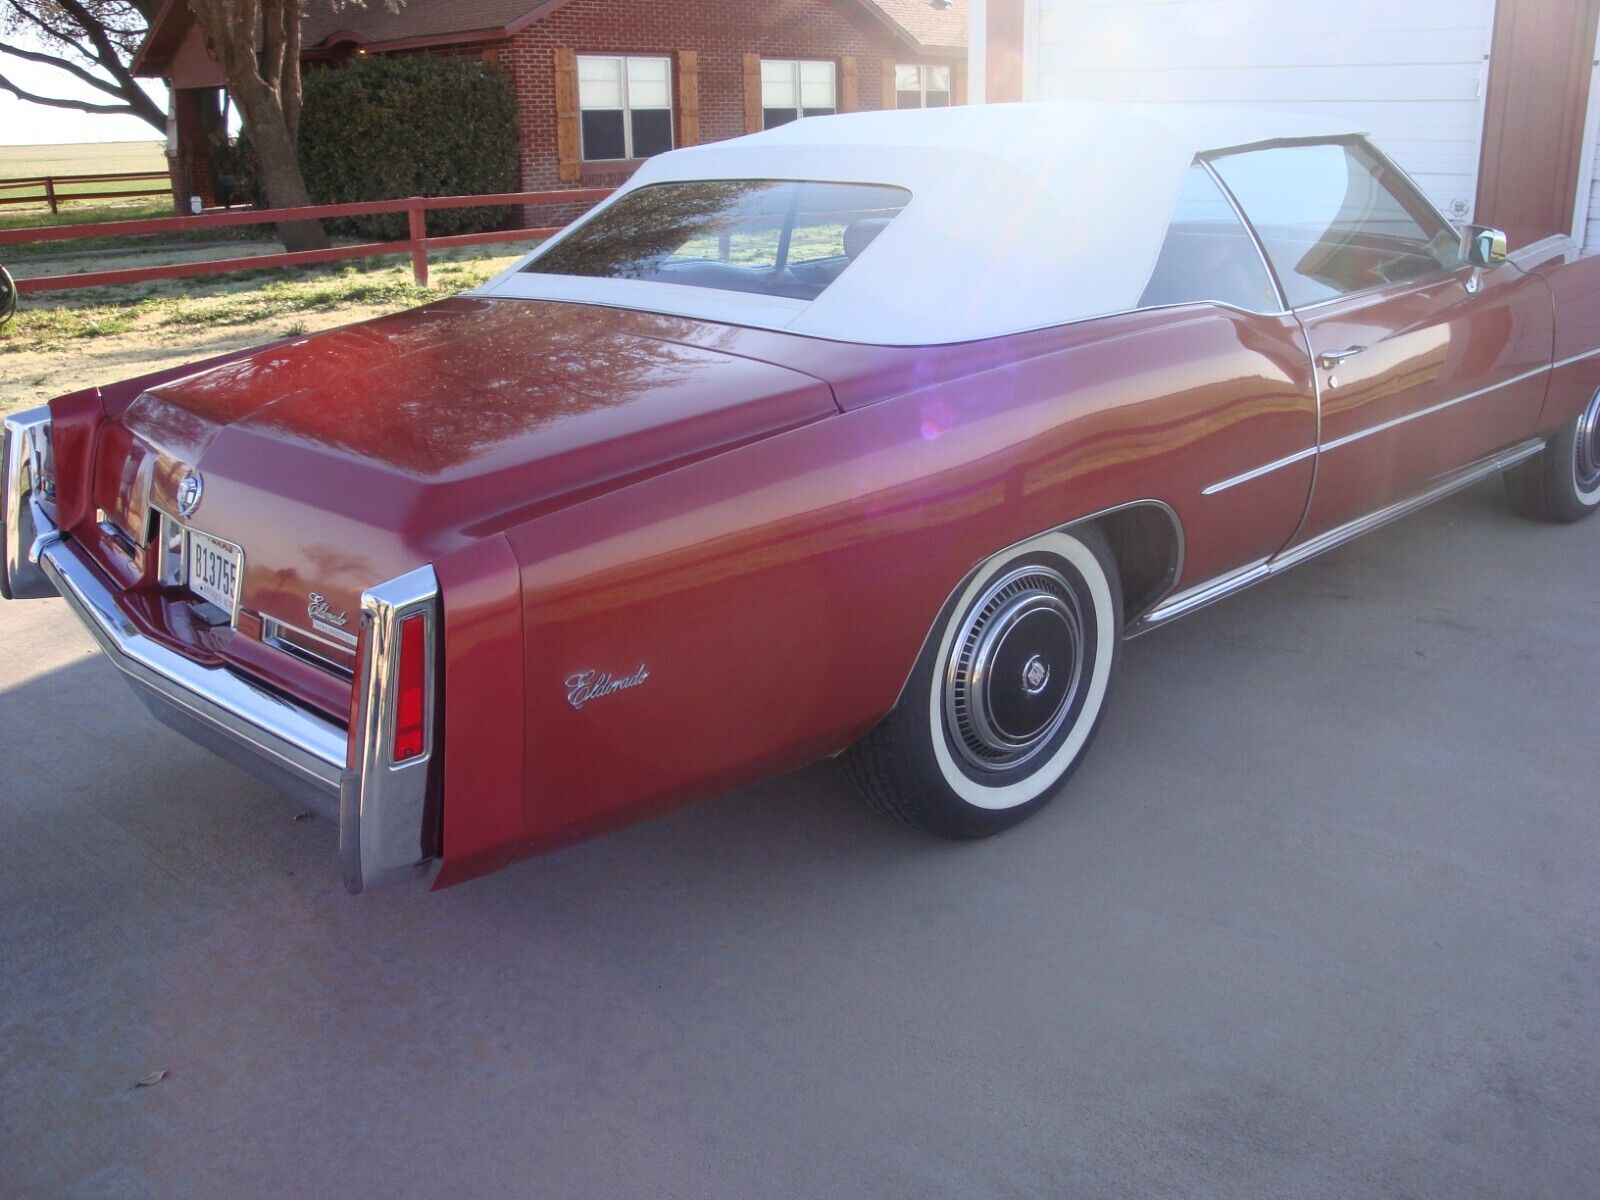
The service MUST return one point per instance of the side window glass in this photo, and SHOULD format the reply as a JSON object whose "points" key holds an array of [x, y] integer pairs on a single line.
{"points": [[1335, 219], [1208, 254]]}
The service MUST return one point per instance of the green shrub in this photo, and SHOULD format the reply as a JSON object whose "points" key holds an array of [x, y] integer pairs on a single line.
{"points": [[382, 128]]}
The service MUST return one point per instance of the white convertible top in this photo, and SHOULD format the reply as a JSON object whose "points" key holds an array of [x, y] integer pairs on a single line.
{"points": [[1021, 215]]}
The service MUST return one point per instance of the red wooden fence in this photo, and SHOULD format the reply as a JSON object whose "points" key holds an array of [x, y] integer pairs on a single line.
{"points": [[417, 243], [50, 188]]}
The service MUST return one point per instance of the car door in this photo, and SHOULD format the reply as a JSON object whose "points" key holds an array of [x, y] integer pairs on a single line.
{"points": [[1422, 364], [1257, 470]]}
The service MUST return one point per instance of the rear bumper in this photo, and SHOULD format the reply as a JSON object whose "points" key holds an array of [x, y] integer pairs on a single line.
{"points": [[387, 825], [296, 750]]}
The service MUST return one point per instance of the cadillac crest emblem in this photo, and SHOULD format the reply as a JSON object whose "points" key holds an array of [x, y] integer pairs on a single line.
{"points": [[190, 488]]}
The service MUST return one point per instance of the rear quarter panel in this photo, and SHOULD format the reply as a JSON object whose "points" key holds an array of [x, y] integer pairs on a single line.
{"points": [[778, 594]]}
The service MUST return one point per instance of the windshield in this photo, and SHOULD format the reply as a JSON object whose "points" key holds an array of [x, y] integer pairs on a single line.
{"points": [[772, 237]]}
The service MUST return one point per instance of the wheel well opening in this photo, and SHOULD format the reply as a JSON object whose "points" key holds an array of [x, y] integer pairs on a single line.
{"points": [[1149, 553]]}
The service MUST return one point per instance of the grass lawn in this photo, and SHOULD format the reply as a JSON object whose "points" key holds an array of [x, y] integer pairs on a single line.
{"points": [[22, 217]]}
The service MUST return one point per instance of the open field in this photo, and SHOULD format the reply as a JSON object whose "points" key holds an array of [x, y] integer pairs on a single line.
{"points": [[82, 158], [74, 339], [90, 158]]}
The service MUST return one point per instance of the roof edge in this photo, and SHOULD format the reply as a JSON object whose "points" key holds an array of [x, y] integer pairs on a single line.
{"points": [[140, 62]]}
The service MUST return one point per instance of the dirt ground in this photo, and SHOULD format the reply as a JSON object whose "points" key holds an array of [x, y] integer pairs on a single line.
{"points": [[64, 341], [32, 377]]}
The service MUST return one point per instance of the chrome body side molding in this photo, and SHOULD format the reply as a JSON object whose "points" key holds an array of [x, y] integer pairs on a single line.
{"points": [[1567, 362], [1384, 426], [1444, 486], [1193, 599], [1198, 597], [1276, 464]]}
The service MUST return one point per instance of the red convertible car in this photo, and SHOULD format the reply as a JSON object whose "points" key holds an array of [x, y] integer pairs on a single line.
{"points": [[872, 435]]}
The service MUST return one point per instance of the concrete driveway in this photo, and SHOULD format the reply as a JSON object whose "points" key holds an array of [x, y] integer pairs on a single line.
{"points": [[1319, 917]]}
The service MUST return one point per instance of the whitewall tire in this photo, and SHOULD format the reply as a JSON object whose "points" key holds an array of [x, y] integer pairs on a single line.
{"points": [[1563, 483], [1007, 694]]}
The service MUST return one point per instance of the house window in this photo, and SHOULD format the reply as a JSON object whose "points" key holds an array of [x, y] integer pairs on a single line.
{"points": [[625, 106], [791, 89], [921, 85]]}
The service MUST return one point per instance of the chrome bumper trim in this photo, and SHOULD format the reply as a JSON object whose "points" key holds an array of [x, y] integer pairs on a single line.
{"points": [[25, 525], [385, 810], [290, 741]]}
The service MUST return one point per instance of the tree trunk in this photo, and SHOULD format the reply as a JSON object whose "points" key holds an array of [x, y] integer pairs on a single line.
{"points": [[266, 88], [279, 163]]}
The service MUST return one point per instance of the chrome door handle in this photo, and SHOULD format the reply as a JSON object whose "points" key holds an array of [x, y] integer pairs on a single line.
{"points": [[1329, 359]]}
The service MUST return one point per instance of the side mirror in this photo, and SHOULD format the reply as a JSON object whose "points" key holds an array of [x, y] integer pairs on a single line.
{"points": [[1483, 247]]}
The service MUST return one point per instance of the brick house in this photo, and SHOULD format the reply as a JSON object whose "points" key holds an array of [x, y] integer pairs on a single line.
{"points": [[603, 84]]}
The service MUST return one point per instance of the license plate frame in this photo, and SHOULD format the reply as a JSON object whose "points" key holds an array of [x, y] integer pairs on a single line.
{"points": [[209, 563]]}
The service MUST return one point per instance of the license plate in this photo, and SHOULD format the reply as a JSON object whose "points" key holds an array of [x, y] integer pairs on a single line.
{"points": [[212, 568]]}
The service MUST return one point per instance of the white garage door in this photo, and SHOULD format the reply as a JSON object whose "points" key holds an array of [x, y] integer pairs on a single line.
{"points": [[1410, 73], [1591, 240]]}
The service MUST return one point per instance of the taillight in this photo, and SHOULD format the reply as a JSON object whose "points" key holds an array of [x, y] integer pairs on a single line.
{"points": [[411, 701]]}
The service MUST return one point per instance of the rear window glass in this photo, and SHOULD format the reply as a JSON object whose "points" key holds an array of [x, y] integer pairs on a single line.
{"points": [[772, 237]]}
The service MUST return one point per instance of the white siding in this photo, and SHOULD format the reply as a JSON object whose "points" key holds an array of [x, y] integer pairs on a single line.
{"points": [[1591, 237], [1410, 73]]}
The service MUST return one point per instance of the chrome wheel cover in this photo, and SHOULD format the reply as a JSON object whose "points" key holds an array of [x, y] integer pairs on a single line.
{"points": [[1586, 448], [1015, 669]]}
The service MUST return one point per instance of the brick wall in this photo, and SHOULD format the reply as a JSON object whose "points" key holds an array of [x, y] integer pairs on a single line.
{"points": [[719, 31]]}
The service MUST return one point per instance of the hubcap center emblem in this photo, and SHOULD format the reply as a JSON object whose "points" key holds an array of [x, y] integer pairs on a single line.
{"points": [[1035, 674]]}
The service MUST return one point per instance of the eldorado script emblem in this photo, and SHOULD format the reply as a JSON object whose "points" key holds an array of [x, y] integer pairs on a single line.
{"points": [[320, 612], [591, 685]]}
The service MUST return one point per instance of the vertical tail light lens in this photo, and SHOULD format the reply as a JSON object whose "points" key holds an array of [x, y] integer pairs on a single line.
{"points": [[411, 702]]}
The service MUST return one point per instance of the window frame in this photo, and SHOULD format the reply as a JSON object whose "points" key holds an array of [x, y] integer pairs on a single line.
{"points": [[799, 96], [922, 83], [1409, 194], [628, 154], [1255, 240]]}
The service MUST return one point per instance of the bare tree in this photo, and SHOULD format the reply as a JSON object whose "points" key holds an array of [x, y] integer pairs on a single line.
{"points": [[92, 41]]}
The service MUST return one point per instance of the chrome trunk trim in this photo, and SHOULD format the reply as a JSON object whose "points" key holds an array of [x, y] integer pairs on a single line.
{"points": [[277, 634], [1198, 597]]}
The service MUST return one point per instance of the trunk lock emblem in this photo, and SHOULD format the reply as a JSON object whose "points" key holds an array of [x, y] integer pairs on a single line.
{"points": [[190, 489]]}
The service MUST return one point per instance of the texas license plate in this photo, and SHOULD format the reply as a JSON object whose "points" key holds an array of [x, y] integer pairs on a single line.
{"points": [[213, 567]]}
